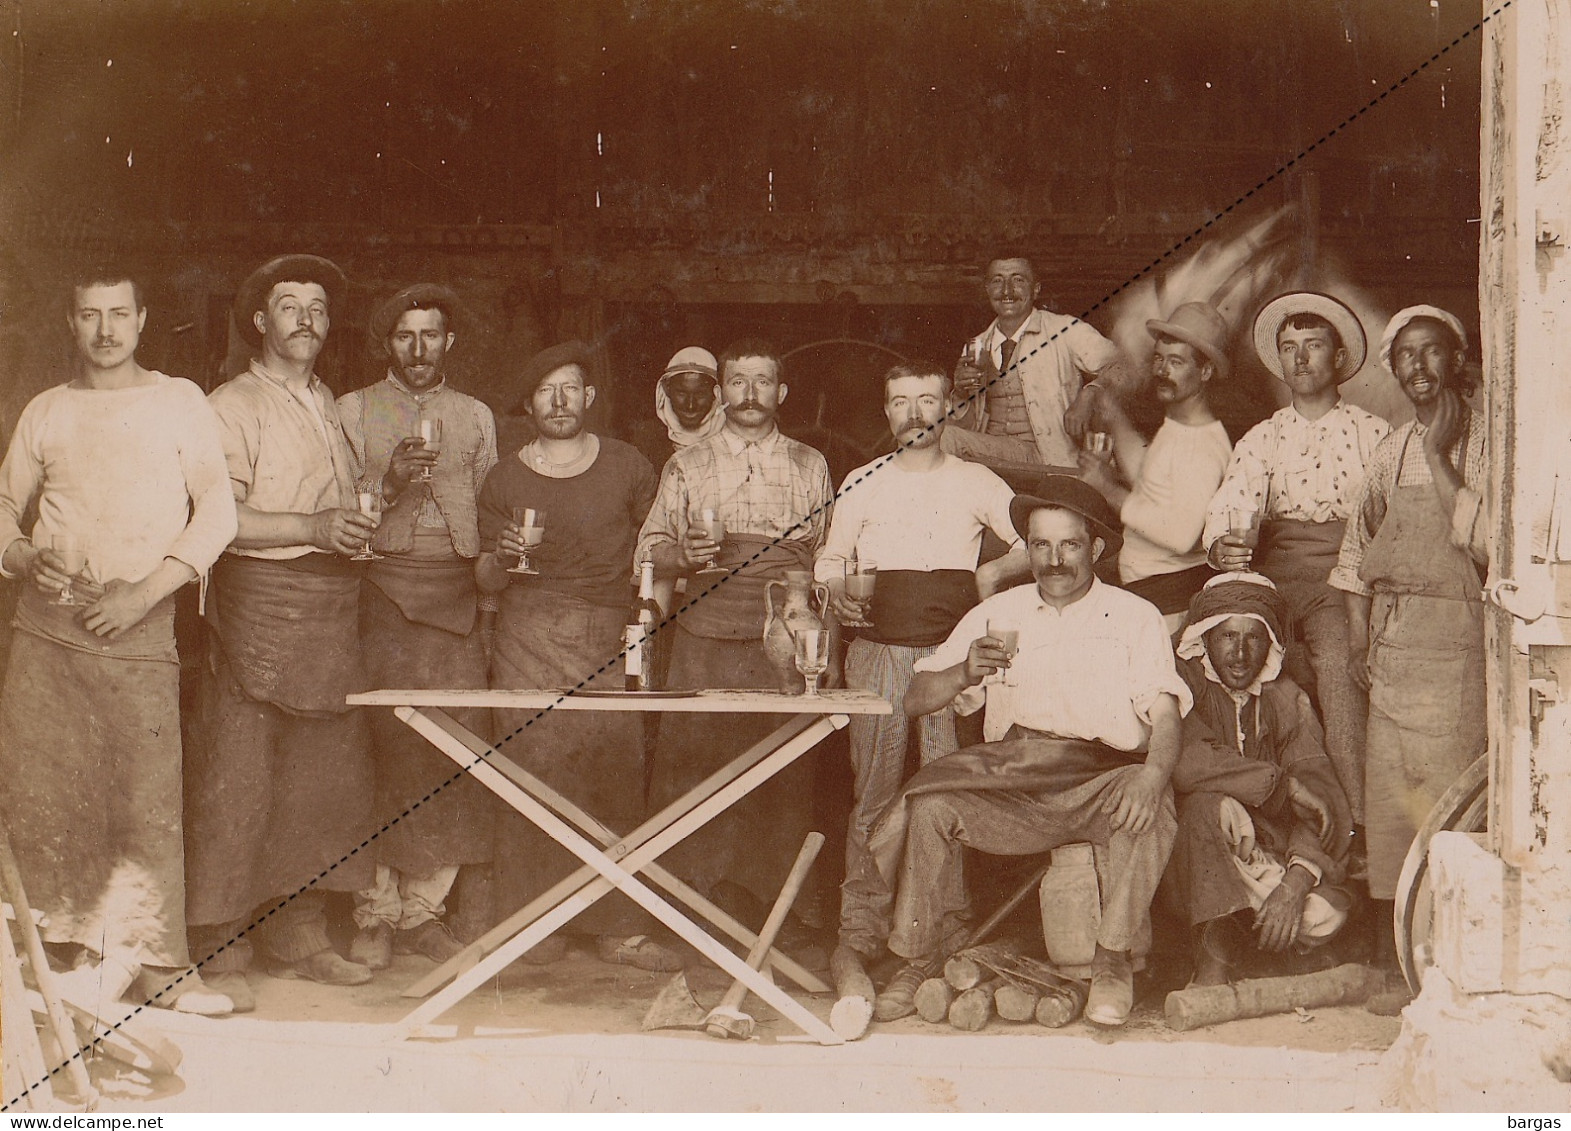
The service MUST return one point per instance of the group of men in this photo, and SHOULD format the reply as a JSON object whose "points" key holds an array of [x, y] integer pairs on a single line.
{"points": [[340, 548]]}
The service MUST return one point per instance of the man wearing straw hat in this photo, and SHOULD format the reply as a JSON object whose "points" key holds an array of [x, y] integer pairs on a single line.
{"points": [[1293, 483], [1171, 479], [1411, 572]]}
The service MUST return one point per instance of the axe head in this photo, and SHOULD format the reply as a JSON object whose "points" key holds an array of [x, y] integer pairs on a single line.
{"points": [[728, 1024], [675, 1007]]}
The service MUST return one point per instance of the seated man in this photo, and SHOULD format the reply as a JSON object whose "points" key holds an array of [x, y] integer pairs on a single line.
{"points": [[1263, 825], [1088, 706]]}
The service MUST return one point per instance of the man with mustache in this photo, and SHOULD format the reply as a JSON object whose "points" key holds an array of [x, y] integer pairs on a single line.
{"points": [[281, 797], [128, 462], [562, 628], [919, 515], [1170, 481], [1082, 729], [773, 495], [1300, 473], [1411, 571], [1263, 827], [420, 622], [1018, 384]]}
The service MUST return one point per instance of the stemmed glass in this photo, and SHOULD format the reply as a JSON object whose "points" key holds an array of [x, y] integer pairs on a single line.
{"points": [[708, 520], [431, 440], [812, 656], [531, 531], [371, 507], [861, 577], [1008, 635], [73, 559]]}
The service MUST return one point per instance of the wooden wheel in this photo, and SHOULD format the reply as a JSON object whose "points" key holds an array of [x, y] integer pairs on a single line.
{"points": [[1461, 808]]}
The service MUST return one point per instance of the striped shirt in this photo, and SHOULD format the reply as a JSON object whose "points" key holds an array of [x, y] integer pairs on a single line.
{"points": [[1404, 449], [774, 488]]}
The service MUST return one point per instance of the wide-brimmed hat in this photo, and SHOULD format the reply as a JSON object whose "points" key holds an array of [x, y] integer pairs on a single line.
{"points": [[545, 363], [253, 293], [1200, 325], [1401, 318], [1073, 494], [692, 359], [1268, 323], [417, 296]]}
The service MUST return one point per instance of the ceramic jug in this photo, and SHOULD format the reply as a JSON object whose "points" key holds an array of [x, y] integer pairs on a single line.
{"points": [[796, 611]]}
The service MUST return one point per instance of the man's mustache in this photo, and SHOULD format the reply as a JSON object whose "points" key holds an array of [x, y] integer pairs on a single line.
{"points": [[1058, 571], [748, 405]]}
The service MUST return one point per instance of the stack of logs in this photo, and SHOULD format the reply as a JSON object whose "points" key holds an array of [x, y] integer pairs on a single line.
{"points": [[993, 977]]}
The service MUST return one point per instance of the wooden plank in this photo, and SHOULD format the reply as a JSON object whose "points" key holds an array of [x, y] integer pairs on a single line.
{"points": [[840, 701]]}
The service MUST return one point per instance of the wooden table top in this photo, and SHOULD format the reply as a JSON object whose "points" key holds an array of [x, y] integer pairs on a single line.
{"points": [[840, 701]]}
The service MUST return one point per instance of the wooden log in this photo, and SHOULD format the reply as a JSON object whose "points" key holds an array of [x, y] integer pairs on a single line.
{"points": [[1016, 1002], [933, 998], [963, 972], [971, 966], [1211, 1005], [973, 1008], [1061, 1005]]}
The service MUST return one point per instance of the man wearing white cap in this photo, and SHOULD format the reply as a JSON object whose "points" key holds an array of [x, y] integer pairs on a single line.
{"points": [[688, 407], [1411, 570], [1171, 479], [1299, 474], [1263, 827]]}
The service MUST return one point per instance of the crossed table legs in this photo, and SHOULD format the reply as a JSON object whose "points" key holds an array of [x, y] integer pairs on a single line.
{"points": [[615, 864]]}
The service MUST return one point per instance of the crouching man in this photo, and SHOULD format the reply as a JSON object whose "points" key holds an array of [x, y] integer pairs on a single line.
{"points": [[1263, 825], [1083, 721]]}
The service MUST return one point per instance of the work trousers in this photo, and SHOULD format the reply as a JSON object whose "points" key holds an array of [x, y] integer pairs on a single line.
{"points": [[878, 752], [403, 901], [931, 909], [1319, 663]]}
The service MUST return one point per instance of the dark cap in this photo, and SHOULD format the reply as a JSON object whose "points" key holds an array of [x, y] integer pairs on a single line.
{"points": [[1069, 493], [253, 293], [417, 296], [545, 363]]}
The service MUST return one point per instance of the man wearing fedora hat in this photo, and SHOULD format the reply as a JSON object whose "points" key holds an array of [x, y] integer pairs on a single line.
{"points": [[1082, 725], [1170, 481], [282, 795], [420, 621], [688, 407], [1293, 483], [1411, 572]]}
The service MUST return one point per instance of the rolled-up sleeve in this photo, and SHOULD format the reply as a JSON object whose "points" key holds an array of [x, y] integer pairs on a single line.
{"points": [[1152, 670], [954, 650], [670, 508], [213, 522]]}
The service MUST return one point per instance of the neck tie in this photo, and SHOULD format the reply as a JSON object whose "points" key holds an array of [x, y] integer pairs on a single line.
{"points": [[1006, 351]]}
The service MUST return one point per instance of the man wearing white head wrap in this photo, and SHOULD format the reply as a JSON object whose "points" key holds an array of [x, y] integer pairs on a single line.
{"points": [[1411, 570], [1263, 826]]}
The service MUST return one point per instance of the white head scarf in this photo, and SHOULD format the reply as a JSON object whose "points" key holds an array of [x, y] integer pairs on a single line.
{"points": [[1192, 646], [692, 359]]}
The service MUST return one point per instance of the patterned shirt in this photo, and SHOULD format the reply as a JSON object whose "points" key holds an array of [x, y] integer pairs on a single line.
{"points": [[1291, 467], [774, 488], [1405, 448]]}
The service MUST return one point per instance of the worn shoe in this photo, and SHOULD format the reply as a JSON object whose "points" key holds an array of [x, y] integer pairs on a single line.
{"points": [[431, 939], [898, 998], [638, 950], [1112, 993], [181, 990], [234, 986], [328, 968], [373, 946]]}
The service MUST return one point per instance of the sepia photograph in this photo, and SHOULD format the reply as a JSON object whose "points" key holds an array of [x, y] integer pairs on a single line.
{"points": [[775, 556]]}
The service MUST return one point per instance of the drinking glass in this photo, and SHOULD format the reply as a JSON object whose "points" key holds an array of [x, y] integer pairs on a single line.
{"points": [[1099, 443], [861, 577], [1007, 634], [431, 440], [708, 520], [812, 656], [371, 507], [1243, 525], [72, 553], [531, 531]]}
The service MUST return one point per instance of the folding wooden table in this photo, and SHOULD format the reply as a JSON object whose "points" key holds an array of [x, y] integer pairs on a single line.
{"points": [[612, 860]]}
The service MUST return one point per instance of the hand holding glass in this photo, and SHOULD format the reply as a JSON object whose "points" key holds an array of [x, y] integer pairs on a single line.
{"points": [[371, 507], [1099, 443], [812, 656], [73, 560], [1008, 635], [530, 524], [707, 521], [1243, 528], [861, 578], [431, 440]]}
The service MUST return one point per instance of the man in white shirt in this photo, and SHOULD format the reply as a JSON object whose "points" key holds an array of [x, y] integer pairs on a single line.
{"points": [[1082, 726], [1165, 486], [1300, 473], [919, 516], [1019, 379]]}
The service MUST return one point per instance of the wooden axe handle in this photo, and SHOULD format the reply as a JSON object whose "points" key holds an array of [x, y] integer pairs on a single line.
{"points": [[777, 914]]}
